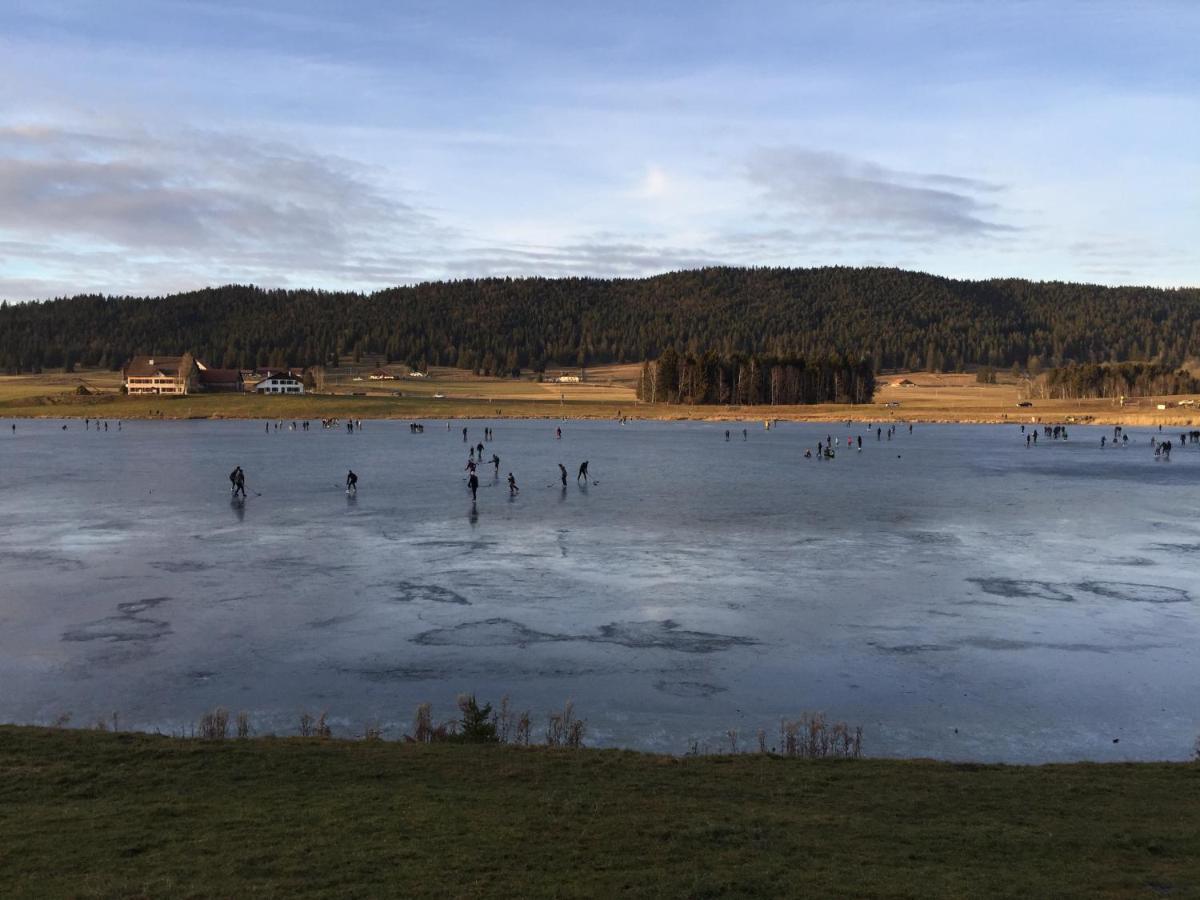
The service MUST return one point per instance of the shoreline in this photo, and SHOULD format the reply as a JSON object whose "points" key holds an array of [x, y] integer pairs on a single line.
{"points": [[332, 406]]}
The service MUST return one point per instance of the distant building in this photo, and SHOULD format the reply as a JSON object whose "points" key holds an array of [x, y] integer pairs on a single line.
{"points": [[568, 379], [903, 382], [176, 375], [417, 375], [383, 375], [280, 383], [219, 380]]}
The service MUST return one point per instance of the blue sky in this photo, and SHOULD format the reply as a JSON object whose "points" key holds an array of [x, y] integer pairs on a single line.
{"points": [[160, 146]]}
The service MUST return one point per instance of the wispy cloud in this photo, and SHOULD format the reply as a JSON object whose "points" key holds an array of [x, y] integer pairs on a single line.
{"points": [[863, 200], [595, 255], [205, 202]]}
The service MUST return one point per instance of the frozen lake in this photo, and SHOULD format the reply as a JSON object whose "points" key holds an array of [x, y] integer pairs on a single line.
{"points": [[951, 591]]}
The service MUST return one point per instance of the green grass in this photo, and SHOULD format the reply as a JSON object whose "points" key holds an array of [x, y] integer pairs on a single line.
{"points": [[90, 814]]}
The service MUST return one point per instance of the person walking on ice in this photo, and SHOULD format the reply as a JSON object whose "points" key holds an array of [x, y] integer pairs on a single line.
{"points": [[513, 490]]}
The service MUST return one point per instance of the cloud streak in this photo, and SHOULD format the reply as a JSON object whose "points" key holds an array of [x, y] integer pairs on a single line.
{"points": [[204, 201], [863, 200]]}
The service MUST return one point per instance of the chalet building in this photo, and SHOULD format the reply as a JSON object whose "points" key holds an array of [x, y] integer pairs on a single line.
{"points": [[280, 383], [383, 375], [161, 375], [177, 375], [568, 379]]}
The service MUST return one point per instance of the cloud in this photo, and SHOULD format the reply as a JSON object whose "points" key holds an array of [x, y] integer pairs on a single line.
{"points": [[201, 202], [865, 201]]}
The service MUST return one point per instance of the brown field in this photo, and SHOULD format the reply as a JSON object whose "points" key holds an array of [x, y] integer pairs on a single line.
{"points": [[608, 391]]}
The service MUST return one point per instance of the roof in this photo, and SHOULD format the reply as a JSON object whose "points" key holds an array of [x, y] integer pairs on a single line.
{"points": [[220, 376], [287, 375], [146, 366]]}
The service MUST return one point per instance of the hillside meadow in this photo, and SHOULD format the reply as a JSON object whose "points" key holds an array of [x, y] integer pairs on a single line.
{"points": [[102, 814]]}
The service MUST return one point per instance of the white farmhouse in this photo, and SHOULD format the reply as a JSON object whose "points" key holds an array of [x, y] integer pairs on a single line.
{"points": [[280, 383]]}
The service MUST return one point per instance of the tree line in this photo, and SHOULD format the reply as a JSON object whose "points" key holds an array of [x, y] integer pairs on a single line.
{"points": [[751, 381], [900, 319], [1117, 380]]}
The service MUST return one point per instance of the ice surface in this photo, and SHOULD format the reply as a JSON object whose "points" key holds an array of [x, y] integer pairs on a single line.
{"points": [[955, 593]]}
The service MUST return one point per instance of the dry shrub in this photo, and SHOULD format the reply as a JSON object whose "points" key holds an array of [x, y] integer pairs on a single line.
{"points": [[563, 729], [243, 725], [424, 731], [812, 737], [504, 721], [524, 729], [306, 724], [322, 729], [423, 724], [214, 725]]}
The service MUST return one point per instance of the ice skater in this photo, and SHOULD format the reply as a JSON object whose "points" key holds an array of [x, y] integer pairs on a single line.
{"points": [[351, 482], [562, 471], [513, 490], [583, 472], [473, 484]]}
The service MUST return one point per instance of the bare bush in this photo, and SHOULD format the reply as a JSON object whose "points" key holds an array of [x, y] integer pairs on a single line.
{"points": [[423, 724], [563, 729], [306, 724], [812, 737], [524, 729], [243, 725], [214, 725], [322, 729], [504, 721]]}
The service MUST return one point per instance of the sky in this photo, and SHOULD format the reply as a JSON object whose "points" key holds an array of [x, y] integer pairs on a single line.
{"points": [[165, 145]]}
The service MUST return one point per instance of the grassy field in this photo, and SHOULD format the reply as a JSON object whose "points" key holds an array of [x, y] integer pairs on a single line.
{"points": [[92, 814], [608, 392]]}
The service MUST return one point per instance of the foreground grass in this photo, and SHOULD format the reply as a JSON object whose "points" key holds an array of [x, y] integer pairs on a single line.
{"points": [[101, 814]]}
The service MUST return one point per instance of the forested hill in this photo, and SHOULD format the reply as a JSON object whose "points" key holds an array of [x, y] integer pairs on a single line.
{"points": [[900, 319]]}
